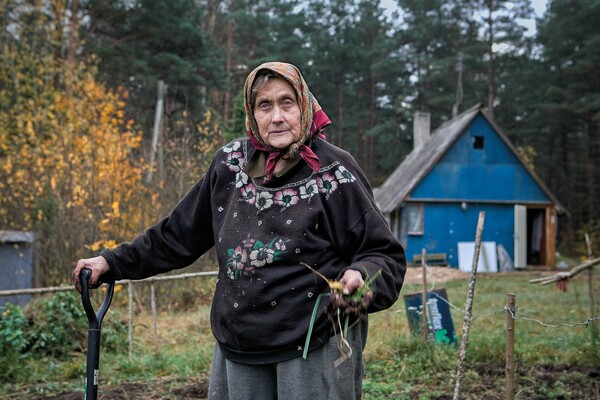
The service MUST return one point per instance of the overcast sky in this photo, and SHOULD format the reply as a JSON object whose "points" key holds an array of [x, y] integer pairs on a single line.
{"points": [[538, 5]]}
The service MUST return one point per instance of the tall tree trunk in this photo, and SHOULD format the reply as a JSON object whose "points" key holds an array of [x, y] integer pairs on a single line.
{"points": [[361, 156], [56, 39], [340, 106], [567, 192], [371, 120], [490, 69], [73, 36], [158, 116], [227, 97], [593, 164], [211, 18]]}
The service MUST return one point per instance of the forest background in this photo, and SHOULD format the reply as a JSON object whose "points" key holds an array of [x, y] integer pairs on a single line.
{"points": [[79, 83]]}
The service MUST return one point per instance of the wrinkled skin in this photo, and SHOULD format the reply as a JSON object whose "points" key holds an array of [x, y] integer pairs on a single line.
{"points": [[98, 265]]}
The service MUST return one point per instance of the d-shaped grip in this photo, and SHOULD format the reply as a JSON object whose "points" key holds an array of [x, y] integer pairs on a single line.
{"points": [[94, 319]]}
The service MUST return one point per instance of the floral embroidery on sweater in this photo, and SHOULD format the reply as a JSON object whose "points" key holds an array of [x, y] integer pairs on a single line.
{"points": [[252, 254], [326, 181]]}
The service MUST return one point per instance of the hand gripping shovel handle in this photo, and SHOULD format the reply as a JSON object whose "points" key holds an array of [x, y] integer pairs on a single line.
{"points": [[95, 323]]}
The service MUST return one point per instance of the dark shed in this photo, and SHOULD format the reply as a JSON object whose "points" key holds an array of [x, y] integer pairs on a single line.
{"points": [[16, 264]]}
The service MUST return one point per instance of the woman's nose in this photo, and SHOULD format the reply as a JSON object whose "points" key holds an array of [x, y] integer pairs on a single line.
{"points": [[277, 114]]}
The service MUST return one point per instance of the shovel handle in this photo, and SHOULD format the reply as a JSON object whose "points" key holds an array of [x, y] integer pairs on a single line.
{"points": [[95, 322]]}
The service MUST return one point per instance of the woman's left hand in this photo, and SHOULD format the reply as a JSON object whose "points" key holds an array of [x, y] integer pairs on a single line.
{"points": [[351, 281]]}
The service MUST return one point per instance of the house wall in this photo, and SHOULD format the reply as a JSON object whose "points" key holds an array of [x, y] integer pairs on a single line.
{"points": [[446, 224]]}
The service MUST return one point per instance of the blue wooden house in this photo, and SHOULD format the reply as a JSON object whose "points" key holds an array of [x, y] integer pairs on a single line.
{"points": [[433, 198]]}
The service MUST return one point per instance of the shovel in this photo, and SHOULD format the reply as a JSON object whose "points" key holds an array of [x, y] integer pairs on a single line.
{"points": [[95, 322]]}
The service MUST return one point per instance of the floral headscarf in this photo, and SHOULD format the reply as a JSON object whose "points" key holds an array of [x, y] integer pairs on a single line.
{"points": [[312, 118]]}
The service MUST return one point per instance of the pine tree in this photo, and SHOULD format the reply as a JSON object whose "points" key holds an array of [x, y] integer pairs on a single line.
{"points": [[571, 53], [502, 32], [141, 42]]}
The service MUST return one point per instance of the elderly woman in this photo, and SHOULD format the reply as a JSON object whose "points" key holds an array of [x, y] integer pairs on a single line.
{"points": [[283, 208]]}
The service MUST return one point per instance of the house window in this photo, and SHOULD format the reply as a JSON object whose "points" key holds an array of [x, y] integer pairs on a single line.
{"points": [[414, 218], [478, 142]]}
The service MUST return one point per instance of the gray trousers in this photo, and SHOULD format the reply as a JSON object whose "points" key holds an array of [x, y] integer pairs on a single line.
{"points": [[321, 376]]}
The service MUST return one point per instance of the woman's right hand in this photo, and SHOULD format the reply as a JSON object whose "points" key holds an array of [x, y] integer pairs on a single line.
{"points": [[98, 265]]}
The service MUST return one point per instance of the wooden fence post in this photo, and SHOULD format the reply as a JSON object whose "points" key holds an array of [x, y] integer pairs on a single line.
{"points": [[468, 307], [594, 330], [593, 315], [153, 307], [130, 317], [424, 298], [510, 347]]}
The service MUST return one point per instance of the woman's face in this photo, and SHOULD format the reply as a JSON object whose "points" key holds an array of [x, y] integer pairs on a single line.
{"points": [[277, 113]]}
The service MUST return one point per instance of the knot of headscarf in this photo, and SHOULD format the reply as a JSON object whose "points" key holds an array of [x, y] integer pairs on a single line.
{"points": [[312, 118]]}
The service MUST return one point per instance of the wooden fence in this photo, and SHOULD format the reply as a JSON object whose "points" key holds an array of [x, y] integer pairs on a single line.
{"points": [[129, 283]]}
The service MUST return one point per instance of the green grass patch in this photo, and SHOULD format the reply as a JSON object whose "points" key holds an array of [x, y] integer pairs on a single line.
{"points": [[399, 364]]}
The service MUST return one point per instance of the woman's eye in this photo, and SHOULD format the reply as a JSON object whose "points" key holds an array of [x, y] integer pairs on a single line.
{"points": [[264, 106]]}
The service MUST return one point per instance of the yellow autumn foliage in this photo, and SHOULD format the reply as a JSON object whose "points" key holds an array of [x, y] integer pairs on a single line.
{"points": [[68, 170], [71, 160]]}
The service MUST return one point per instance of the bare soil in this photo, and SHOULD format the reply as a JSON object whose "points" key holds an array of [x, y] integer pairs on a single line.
{"points": [[437, 274], [487, 382], [414, 275], [155, 390]]}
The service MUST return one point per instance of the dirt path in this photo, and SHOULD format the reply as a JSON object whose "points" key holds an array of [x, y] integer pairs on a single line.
{"points": [[414, 275], [486, 382]]}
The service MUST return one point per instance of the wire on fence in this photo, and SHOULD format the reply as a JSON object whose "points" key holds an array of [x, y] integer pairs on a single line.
{"points": [[585, 323]]}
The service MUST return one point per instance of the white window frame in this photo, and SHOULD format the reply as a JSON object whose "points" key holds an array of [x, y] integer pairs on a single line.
{"points": [[414, 219]]}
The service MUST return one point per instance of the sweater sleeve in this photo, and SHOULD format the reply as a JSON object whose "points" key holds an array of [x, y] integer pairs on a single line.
{"points": [[375, 249], [367, 243], [174, 242]]}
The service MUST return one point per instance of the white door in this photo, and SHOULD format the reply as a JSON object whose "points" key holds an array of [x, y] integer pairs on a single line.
{"points": [[520, 236]]}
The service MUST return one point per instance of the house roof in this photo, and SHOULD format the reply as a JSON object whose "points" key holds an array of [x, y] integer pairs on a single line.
{"points": [[16, 237], [419, 162]]}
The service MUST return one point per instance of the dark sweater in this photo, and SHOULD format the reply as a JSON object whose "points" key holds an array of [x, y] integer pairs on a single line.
{"points": [[264, 297]]}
